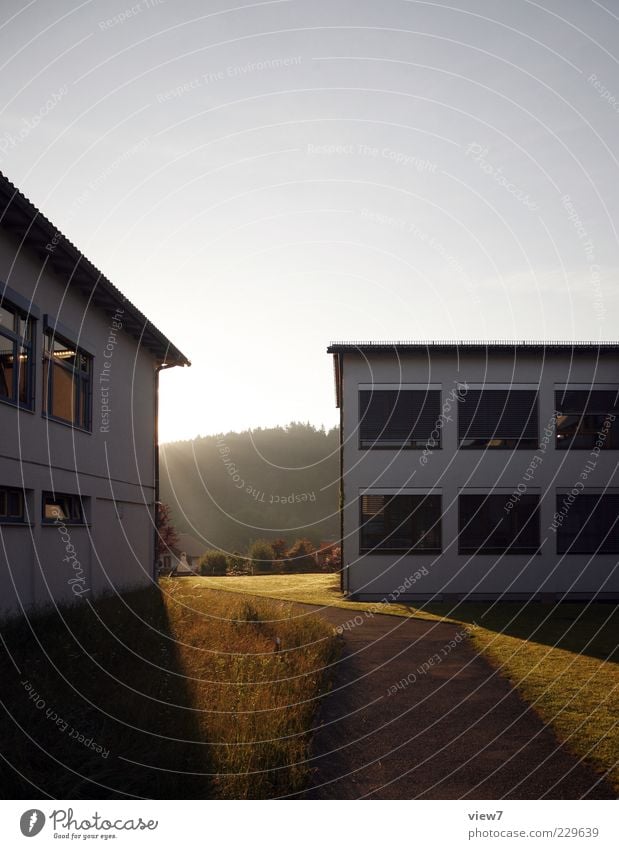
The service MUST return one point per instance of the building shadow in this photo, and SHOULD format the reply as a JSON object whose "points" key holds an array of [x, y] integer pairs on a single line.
{"points": [[96, 705], [583, 628]]}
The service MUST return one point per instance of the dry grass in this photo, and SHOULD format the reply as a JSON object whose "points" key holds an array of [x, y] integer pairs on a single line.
{"points": [[259, 703], [562, 659], [181, 688]]}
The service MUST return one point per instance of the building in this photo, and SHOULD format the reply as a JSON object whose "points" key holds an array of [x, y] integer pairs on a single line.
{"points": [[479, 470], [79, 368], [183, 559]]}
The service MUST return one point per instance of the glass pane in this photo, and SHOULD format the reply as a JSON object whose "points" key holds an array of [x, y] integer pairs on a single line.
{"points": [[54, 510], [63, 390], [76, 509], [7, 361], [23, 381], [63, 352], [84, 404], [15, 504], [24, 328], [45, 384], [7, 319]]}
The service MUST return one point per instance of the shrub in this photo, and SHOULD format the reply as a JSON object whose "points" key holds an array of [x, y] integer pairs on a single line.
{"points": [[332, 561], [213, 562], [237, 564], [261, 555]]}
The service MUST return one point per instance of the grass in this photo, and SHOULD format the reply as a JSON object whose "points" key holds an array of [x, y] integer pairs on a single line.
{"points": [[161, 694], [561, 658]]}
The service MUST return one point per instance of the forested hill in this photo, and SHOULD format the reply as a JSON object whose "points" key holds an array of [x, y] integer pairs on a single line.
{"points": [[265, 483]]}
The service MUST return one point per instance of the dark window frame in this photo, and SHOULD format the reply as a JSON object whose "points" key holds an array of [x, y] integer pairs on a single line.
{"points": [[6, 516], [414, 548], [398, 444], [82, 381], [502, 442], [589, 407], [486, 548], [576, 545], [18, 340], [75, 512]]}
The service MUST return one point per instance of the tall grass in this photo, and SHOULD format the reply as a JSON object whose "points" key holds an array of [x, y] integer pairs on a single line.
{"points": [[171, 693], [258, 702]]}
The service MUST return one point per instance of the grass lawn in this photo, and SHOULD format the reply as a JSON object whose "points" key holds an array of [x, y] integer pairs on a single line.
{"points": [[562, 658], [161, 693]]}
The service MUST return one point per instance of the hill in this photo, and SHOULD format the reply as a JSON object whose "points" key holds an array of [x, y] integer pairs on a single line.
{"points": [[233, 488]]}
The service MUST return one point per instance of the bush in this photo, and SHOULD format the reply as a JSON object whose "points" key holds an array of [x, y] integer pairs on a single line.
{"points": [[237, 564], [213, 563], [261, 555]]}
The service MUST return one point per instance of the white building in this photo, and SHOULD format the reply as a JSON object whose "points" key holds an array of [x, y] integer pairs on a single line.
{"points": [[479, 470], [79, 367], [184, 559]]}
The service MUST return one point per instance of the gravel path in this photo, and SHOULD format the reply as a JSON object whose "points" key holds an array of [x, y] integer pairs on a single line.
{"points": [[460, 730]]}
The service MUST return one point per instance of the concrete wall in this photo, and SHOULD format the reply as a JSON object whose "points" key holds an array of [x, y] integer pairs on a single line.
{"points": [[449, 470], [113, 463]]}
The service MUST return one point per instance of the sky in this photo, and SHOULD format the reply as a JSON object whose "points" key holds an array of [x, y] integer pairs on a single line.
{"points": [[263, 178]]}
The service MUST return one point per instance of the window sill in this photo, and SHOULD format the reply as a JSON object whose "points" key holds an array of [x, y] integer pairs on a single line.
{"points": [[45, 523], [496, 552], [596, 553], [407, 551], [66, 424], [23, 408], [563, 447], [535, 447], [15, 523], [423, 447]]}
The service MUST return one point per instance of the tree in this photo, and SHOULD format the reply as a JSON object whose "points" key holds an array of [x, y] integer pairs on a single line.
{"points": [[279, 547], [213, 562], [167, 535], [300, 557], [261, 555]]}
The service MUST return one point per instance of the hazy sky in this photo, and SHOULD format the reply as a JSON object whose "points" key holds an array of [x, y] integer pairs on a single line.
{"points": [[261, 179]]}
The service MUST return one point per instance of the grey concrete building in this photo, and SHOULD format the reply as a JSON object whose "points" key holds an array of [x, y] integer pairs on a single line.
{"points": [[79, 367], [479, 470]]}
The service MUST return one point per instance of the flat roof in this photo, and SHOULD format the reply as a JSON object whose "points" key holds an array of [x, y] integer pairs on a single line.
{"points": [[471, 344], [19, 216]]}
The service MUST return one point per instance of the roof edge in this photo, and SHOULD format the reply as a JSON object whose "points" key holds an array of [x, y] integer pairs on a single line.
{"points": [[19, 216], [343, 347]]}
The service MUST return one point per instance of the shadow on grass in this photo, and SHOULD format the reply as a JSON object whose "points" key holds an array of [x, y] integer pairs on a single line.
{"points": [[88, 713], [587, 629]]}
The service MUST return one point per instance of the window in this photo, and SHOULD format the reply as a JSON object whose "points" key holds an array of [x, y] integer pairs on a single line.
{"points": [[62, 506], [398, 418], [404, 523], [67, 382], [11, 504], [498, 418], [486, 527], [16, 356], [586, 418], [590, 526]]}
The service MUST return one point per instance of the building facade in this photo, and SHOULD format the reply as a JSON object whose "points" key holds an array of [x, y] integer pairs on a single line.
{"points": [[79, 367], [479, 470]]}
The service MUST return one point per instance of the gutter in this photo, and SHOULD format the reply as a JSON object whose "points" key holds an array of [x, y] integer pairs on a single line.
{"points": [[339, 372], [161, 367]]}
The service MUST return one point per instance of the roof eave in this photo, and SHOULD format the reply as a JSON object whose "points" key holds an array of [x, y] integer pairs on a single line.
{"points": [[20, 217]]}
